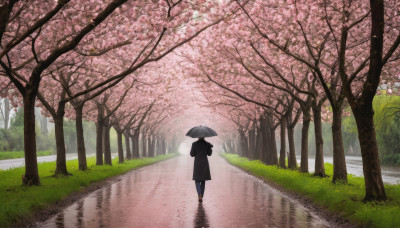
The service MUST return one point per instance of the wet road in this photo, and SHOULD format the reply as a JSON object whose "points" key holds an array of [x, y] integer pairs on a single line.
{"points": [[17, 162], [390, 175], [163, 195]]}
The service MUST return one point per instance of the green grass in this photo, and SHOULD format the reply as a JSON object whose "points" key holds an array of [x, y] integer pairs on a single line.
{"points": [[343, 199], [18, 201], [20, 154]]}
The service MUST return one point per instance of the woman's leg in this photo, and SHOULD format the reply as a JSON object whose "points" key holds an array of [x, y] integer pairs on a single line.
{"points": [[203, 187], [198, 187]]}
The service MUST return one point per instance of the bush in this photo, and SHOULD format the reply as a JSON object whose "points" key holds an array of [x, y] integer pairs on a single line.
{"points": [[4, 146], [391, 159], [15, 138]]}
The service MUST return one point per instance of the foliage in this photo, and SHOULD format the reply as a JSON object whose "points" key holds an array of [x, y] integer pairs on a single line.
{"points": [[343, 199], [89, 132], [18, 119], [387, 121], [69, 136], [20, 201], [12, 139], [350, 135], [387, 111]]}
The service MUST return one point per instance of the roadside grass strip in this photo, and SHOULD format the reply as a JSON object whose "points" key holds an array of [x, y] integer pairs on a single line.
{"points": [[345, 200], [20, 154], [19, 202]]}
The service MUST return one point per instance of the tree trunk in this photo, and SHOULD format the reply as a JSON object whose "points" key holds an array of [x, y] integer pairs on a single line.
{"points": [[292, 151], [304, 144], [61, 161], [144, 146], [31, 176], [234, 148], [243, 144], [282, 153], [80, 140], [251, 144], [155, 144], [319, 142], [127, 146], [120, 149], [99, 143], [259, 145], [150, 145], [163, 147], [135, 146], [274, 153], [106, 144], [6, 112], [374, 188], [266, 139], [339, 160], [99, 137], [158, 146], [362, 106]]}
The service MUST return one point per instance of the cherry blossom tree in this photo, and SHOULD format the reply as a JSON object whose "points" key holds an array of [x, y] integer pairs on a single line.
{"points": [[47, 32], [335, 45]]}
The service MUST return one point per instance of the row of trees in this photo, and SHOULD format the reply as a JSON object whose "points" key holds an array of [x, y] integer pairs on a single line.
{"points": [[94, 60], [275, 64], [263, 65]]}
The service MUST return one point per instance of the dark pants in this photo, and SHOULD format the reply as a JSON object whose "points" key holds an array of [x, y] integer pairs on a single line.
{"points": [[200, 186]]}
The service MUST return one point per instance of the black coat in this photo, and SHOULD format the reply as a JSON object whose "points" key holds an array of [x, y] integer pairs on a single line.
{"points": [[201, 169]]}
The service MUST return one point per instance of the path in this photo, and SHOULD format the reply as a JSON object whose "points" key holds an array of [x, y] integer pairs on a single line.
{"points": [[163, 195]]}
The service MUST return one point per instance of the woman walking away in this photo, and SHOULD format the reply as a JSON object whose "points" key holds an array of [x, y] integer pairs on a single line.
{"points": [[201, 169]]}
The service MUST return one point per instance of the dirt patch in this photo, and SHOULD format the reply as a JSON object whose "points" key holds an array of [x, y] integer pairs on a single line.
{"points": [[336, 220]]}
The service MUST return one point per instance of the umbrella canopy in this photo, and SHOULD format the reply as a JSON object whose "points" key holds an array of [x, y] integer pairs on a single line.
{"points": [[201, 132]]}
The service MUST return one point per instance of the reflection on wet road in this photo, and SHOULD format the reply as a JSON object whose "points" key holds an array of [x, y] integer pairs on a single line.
{"points": [[163, 195]]}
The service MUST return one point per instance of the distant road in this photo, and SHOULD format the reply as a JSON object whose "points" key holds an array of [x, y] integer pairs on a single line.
{"points": [[11, 163], [354, 166]]}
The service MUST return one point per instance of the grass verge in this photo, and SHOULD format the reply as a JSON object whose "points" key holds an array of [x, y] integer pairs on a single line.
{"points": [[20, 154], [18, 201], [342, 199]]}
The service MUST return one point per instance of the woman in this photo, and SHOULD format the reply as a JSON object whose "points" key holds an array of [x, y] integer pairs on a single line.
{"points": [[201, 170]]}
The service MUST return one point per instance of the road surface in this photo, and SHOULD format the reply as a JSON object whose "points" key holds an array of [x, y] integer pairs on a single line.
{"points": [[163, 195], [390, 175], [17, 162]]}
